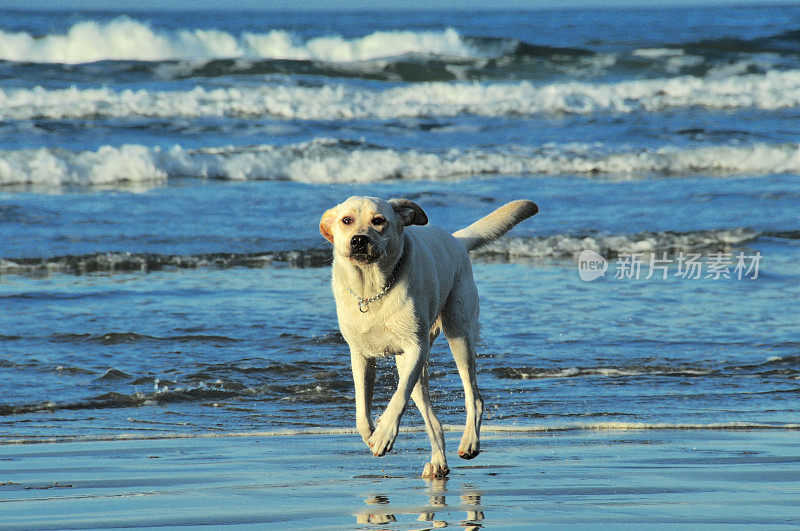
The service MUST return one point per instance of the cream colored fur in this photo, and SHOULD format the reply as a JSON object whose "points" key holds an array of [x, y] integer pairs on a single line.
{"points": [[433, 291]]}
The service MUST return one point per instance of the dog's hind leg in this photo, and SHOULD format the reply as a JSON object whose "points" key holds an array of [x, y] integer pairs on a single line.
{"points": [[463, 349], [437, 468], [460, 325]]}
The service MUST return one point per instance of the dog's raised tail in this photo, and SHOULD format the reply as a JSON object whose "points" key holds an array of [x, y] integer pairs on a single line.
{"points": [[491, 227]]}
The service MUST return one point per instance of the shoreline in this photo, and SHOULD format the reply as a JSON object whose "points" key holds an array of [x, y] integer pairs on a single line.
{"points": [[612, 477], [510, 430]]}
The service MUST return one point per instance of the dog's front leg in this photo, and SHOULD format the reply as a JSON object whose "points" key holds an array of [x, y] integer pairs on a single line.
{"points": [[364, 380], [414, 356]]}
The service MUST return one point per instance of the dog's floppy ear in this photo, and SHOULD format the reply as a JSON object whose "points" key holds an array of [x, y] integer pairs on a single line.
{"points": [[325, 223], [409, 212]]}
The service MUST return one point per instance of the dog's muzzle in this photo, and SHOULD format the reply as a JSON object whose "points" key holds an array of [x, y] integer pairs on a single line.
{"points": [[363, 250]]}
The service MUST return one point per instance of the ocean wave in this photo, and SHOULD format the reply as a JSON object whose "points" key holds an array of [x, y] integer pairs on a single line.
{"points": [[563, 246], [125, 262], [333, 161], [56, 167], [780, 43], [717, 57], [138, 49], [534, 373], [324, 388], [613, 245], [770, 91], [635, 375], [777, 367], [118, 338], [128, 39]]}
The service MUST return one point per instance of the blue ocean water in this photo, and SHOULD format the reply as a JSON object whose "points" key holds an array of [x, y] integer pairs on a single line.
{"points": [[162, 176]]}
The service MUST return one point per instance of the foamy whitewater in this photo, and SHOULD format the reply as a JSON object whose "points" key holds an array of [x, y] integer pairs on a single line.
{"points": [[124, 38], [330, 161], [162, 176], [770, 91]]}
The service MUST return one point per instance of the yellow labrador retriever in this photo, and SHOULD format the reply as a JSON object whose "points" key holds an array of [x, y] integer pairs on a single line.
{"points": [[398, 282]]}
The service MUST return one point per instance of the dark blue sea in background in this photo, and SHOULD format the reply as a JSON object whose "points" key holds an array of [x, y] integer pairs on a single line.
{"points": [[162, 176]]}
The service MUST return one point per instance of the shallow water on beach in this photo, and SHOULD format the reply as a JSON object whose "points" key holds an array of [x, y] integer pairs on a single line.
{"points": [[666, 478], [161, 271]]}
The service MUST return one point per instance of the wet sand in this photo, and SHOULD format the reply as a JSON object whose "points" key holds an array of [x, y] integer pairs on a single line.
{"points": [[329, 481]]}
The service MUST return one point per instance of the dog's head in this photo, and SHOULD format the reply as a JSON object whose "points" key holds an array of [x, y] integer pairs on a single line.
{"points": [[365, 229]]}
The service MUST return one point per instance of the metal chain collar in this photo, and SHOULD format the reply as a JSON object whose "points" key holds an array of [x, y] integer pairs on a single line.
{"points": [[363, 304]]}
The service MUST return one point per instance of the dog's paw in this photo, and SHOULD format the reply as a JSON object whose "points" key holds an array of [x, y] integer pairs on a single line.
{"points": [[382, 439], [365, 430], [435, 471], [470, 447]]}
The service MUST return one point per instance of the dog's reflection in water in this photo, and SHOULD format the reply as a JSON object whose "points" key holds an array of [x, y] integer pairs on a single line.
{"points": [[380, 512]]}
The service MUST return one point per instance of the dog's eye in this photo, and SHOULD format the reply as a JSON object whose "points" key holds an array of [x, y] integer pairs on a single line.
{"points": [[347, 220], [378, 221]]}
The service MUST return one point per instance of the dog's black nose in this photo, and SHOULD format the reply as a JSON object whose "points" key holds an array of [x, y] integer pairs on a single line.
{"points": [[359, 241]]}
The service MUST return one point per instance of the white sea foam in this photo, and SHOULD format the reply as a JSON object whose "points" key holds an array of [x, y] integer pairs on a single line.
{"points": [[127, 39], [531, 373], [498, 429], [610, 245], [770, 91], [53, 167], [330, 161], [658, 53], [635, 426]]}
